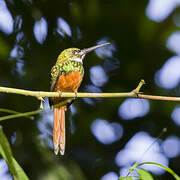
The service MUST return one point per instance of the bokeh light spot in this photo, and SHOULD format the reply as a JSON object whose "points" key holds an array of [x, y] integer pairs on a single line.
{"points": [[45, 124], [17, 52], [19, 37], [14, 52], [158, 10], [40, 30], [3, 170], [133, 108], [169, 75], [110, 176], [106, 132], [106, 51], [73, 109], [111, 65], [173, 42], [135, 149], [18, 23], [91, 88], [63, 27], [19, 67], [88, 101], [6, 20], [176, 115], [171, 146], [13, 138], [98, 76]]}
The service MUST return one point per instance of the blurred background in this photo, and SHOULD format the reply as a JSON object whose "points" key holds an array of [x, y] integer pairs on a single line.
{"points": [[104, 136]]}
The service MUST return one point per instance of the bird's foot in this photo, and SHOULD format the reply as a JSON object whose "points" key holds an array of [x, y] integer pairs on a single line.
{"points": [[60, 93], [75, 97]]}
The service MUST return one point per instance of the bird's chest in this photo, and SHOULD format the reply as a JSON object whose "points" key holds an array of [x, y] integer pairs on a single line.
{"points": [[71, 74], [69, 67]]}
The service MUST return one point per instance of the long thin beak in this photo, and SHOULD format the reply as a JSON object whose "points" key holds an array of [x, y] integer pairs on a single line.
{"points": [[87, 50]]}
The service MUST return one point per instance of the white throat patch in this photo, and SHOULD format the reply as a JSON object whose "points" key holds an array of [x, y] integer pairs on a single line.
{"points": [[77, 60]]}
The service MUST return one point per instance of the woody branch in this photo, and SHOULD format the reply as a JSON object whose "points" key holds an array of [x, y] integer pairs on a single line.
{"points": [[133, 94]]}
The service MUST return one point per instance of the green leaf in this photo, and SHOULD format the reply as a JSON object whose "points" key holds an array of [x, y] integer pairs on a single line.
{"points": [[144, 175], [164, 167], [126, 178], [5, 150]]}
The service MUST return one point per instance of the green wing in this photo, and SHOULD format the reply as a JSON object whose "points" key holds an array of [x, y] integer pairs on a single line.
{"points": [[55, 73]]}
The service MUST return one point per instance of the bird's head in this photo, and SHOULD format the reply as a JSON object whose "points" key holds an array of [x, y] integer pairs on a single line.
{"points": [[75, 54]]}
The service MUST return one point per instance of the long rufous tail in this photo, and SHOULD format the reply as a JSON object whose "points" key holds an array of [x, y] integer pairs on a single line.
{"points": [[59, 130]]}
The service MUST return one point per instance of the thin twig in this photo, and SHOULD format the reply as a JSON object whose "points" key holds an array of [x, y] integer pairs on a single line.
{"points": [[20, 115], [160, 98], [14, 112]]}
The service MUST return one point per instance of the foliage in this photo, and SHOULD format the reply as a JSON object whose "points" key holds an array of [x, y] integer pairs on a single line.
{"points": [[5, 150], [144, 175]]}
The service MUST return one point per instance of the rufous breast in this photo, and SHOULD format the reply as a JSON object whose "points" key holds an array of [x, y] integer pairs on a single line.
{"points": [[69, 82]]}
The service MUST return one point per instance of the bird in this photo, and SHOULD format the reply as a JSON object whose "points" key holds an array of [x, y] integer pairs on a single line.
{"points": [[66, 76]]}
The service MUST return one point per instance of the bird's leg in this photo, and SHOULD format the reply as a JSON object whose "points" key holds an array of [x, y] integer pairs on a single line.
{"points": [[60, 93], [75, 94]]}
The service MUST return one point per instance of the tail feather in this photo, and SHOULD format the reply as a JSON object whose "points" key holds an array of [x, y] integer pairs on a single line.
{"points": [[59, 130]]}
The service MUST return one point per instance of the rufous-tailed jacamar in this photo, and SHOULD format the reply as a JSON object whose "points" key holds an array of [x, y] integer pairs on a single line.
{"points": [[66, 76]]}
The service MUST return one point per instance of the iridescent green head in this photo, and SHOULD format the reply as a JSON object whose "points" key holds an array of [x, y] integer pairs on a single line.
{"points": [[75, 54], [69, 54]]}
